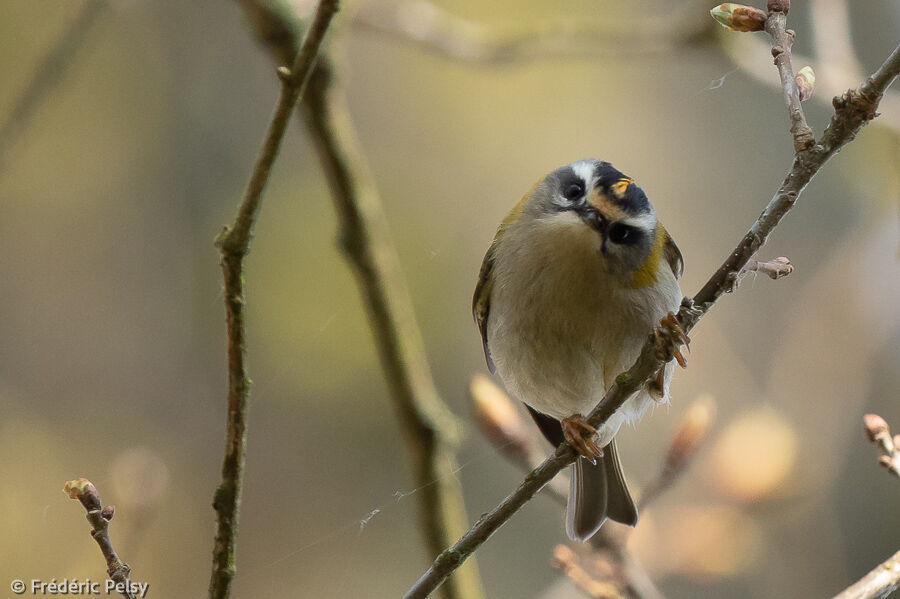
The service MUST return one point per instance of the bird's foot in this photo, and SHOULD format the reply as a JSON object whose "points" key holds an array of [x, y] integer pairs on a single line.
{"points": [[580, 435], [669, 339]]}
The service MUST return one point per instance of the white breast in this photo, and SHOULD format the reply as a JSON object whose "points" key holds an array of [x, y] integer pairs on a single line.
{"points": [[561, 328]]}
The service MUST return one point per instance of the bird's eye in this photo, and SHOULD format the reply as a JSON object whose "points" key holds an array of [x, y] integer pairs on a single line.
{"points": [[619, 233], [574, 191]]}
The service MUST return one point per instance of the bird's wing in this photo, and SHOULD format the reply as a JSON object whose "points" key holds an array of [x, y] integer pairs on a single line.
{"points": [[481, 302], [673, 256]]}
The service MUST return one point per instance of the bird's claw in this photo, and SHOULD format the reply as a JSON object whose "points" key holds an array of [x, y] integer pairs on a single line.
{"points": [[670, 337], [580, 435]]}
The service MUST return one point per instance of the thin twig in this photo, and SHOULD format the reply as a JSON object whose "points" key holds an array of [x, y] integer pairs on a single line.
{"points": [[879, 583], [782, 41], [431, 431], [742, 49], [852, 111], [119, 572], [879, 433], [233, 244], [48, 74]]}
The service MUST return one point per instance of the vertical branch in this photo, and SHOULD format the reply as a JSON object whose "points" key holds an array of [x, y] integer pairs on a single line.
{"points": [[233, 244], [118, 571], [782, 41], [430, 429]]}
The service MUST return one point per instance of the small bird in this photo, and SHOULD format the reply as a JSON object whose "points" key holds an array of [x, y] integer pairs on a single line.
{"points": [[578, 275]]}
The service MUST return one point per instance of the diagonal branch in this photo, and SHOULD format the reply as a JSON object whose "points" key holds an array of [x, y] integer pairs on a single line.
{"points": [[48, 74], [233, 244], [879, 583], [852, 110]]}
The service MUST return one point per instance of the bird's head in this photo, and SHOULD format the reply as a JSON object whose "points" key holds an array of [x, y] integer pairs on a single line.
{"points": [[590, 202]]}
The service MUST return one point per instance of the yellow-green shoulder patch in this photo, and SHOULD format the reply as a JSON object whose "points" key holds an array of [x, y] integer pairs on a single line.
{"points": [[645, 275]]}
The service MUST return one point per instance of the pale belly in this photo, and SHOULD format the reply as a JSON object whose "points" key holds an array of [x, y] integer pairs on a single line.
{"points": [[559, 353]]}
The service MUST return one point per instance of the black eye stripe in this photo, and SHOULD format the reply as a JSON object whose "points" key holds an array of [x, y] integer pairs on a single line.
{"points": [[623, 234]]}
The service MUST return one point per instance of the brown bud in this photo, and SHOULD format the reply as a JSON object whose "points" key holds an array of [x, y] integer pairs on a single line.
{"points": [[691, 431], [806, 81], [496, 415], [108, 512], [774, 269], [739, 17], [875, 426], [779, 6], [784, 267], [563, 557], [83, 490]]}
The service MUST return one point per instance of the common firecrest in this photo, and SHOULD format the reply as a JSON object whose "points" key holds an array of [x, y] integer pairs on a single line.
{"points": [[576, 278]]}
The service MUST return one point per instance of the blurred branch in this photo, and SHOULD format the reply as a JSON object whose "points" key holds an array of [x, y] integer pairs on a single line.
{"points": [[48, 74], [119, 572], [613, 562], [500, 423], [879, 583], [687, 440], [837, 61], [566, 561], [430, 429], [852, 110], [233, 244], [879, 433], [439, 32]]}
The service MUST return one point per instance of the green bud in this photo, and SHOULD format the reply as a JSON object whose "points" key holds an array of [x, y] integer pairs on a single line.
{"points": [[739, 17], [806, 81]]}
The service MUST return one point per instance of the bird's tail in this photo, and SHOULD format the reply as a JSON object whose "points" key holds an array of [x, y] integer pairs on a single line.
{"points": [[597, 492]]}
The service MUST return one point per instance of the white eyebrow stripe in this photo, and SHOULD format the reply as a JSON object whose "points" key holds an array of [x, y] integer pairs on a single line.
{"points": [[585, 170]]}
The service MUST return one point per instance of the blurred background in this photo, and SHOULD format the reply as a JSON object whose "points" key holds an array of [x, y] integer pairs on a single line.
{"points": [[112, 333]]}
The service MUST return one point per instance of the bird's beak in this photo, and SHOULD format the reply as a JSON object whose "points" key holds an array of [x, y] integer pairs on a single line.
{"points": [[592, 217]]}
